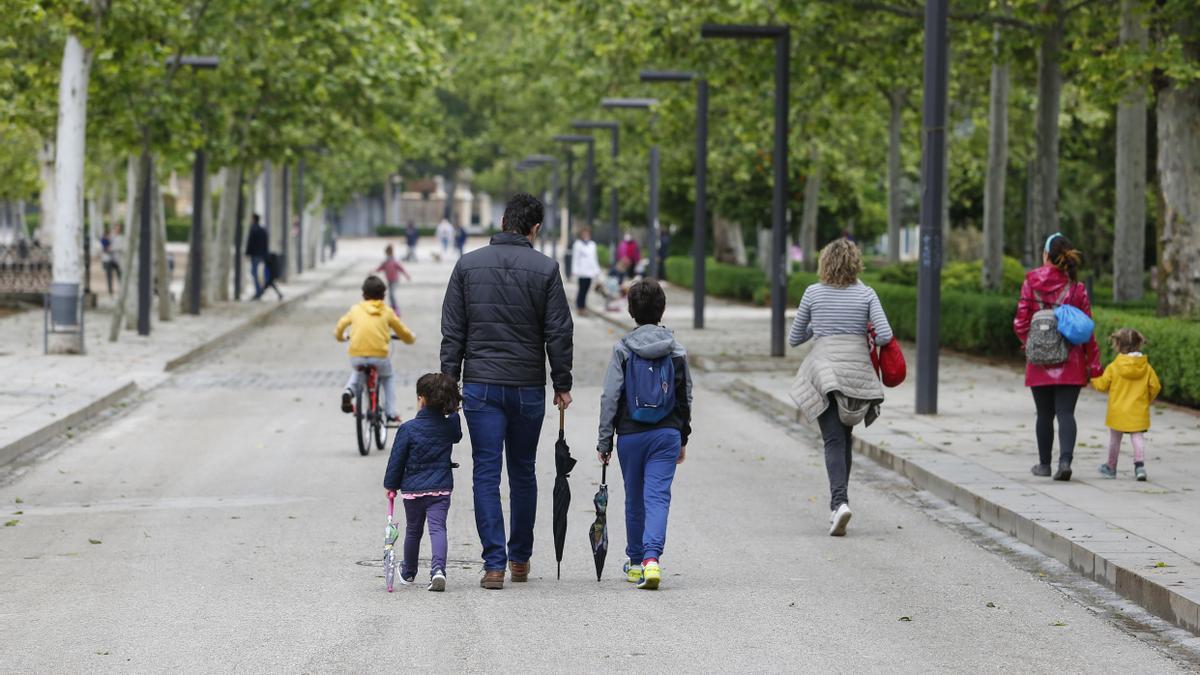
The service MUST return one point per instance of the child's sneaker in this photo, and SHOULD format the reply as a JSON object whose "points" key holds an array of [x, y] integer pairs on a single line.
{"points": [[651, 575], [437, 581], [347, 401], [633, 572], [1107, 471], [838, 520], [1139, 473]]}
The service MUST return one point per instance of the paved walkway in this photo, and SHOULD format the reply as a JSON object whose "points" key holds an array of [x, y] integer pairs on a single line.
{"points": [[1142, 539], [41, 396], [226, 522]]}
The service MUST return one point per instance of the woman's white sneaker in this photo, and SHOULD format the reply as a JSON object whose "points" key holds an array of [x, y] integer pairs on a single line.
{"points": [[839, 519]]}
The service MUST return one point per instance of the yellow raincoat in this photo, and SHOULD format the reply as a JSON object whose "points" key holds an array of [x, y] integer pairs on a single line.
{"points": [[371, 324], [1132, 385]]}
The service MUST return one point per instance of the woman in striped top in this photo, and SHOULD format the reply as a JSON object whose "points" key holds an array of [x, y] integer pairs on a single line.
{"points": [[837, 387]]}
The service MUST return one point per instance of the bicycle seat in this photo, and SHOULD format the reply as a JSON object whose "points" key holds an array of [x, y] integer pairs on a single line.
{"points": [[364, 369]]}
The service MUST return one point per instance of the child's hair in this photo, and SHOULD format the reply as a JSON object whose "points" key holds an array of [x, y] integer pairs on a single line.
{"points": [[388, 250], [647, 302], [840, 263], [1064, 255], [440, 392], [1126, 340], [374, 288]]}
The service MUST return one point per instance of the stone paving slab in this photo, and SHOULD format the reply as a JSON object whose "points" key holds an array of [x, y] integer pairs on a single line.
{"points": [[42, 396], [1141, 539]]}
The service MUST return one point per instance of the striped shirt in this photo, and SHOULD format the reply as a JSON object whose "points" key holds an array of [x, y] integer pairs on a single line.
{"points": [[828, 310]]}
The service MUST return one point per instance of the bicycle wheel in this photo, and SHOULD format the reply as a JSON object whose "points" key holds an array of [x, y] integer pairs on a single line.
{"points": [[362, 423], [380, 431]]}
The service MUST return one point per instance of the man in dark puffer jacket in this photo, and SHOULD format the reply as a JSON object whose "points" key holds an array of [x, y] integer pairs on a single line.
{"points": [[504, 313]]}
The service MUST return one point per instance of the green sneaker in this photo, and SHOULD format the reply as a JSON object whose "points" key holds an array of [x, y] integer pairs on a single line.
{"points": [[633, 572], [651, 576]]}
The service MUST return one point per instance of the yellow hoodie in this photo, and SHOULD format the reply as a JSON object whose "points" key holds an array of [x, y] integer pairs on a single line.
{"points": [[371, 324], [1131, 384]]}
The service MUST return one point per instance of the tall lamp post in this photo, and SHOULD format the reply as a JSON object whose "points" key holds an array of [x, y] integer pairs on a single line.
{"points": [[783, 43], [652, 216], [613, 216], [933, 171], [700, 215], [591, 204]]}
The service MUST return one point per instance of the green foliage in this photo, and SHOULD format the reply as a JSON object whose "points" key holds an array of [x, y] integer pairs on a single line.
{"points": [[721, 280], [957, 276], [400, 231], [604, 254], [1173, 349], [179, 228]]}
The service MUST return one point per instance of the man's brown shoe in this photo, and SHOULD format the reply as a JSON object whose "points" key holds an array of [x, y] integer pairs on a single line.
{"points": [[520, 572], [492, 580]]}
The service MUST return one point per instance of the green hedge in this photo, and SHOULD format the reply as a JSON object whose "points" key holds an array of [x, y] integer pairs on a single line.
{"points": [[399, 231], [179, 228], [604, 255], [981, 323]]}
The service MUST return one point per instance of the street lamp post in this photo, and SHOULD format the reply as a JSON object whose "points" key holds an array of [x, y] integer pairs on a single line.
{"points": [[652, 216], [613, 216], [591, 170], [783, 43], [700, 215], [933, 171]]}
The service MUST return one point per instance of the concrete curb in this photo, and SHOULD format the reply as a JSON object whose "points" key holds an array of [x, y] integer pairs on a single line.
{"points": [[22, 445], [1152, 576], [253, 322]]}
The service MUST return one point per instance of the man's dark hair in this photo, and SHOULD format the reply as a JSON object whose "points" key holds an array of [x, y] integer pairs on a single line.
{"points": [[440, 392], [647, 302], [254, 219], [374, 288], [521, 213]]}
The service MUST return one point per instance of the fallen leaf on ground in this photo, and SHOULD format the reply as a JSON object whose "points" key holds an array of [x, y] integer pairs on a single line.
{"points": [[11, 523], [94, 541], [1059, 624], [906, 618], [992, 605]]}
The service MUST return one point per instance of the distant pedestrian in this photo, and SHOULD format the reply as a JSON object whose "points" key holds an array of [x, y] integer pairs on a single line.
{"points": [[257, 247], [628, 257], [392, 270], [411, 236], [421, 469], [837, 388], [272, 270], [663, 247], [1132, 385], [460, 239], [504, 314], [445, 235], [585, 265], [1056, 386], [647, 403], [110, 254]]}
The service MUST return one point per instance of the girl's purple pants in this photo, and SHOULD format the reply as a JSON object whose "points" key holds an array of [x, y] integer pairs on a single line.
{"points": [[416, 511]]}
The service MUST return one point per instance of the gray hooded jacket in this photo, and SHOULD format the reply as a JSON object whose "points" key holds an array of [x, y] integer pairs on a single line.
{"points": [[649, 342]]}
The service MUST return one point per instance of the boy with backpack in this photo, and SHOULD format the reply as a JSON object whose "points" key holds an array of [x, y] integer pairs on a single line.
{"points": [[647, 403]]}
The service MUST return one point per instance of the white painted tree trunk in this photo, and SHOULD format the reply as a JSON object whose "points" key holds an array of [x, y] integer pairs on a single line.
{"points": [[1044, 215], [162, 270], [1179, 175], [129, 264], [45, 228], [222, 254], [315, 225], [1129, 233], [728, 244], [894, 170], [275, 209], [810, 209], [997, 167], [70, 145]]}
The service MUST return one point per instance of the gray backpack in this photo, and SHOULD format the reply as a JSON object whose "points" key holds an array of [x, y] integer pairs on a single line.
{"points": [[1045, 345]]}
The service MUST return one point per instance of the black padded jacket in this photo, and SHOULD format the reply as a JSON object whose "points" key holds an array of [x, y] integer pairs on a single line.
{"points": [[504, 313]]}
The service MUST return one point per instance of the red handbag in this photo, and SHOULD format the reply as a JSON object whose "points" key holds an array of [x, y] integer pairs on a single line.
{"points": [[887, 360]]}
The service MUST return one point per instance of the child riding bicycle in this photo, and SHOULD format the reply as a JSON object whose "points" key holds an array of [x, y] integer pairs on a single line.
{"points": [[371, 323]]}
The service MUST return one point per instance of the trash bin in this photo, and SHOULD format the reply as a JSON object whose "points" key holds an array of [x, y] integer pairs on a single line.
{"points": [[64, 303]]}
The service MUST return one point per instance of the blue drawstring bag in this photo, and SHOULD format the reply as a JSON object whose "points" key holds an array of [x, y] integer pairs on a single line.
{"points": [[1075, 326]]}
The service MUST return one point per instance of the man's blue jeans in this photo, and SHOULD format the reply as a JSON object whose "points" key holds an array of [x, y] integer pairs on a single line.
{"points": [[257, 261], [648, 468], [504, 422]]}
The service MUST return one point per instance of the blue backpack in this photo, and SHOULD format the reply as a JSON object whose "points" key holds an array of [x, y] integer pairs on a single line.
{"points": [[649, 388]]}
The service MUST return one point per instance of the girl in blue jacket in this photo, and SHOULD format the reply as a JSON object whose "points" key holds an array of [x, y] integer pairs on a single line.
{"points": [[420, 468]]}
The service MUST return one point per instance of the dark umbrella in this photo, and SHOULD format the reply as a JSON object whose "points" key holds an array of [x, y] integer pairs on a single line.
{"points": [[598, 534], [563, 463]]}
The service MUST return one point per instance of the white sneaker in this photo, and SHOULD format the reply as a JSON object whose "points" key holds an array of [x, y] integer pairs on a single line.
{"points": [[838, 520], [437, 582]]}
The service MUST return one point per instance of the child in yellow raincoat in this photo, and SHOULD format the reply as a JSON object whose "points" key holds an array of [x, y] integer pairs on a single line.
{"points": [[1132, 385]]}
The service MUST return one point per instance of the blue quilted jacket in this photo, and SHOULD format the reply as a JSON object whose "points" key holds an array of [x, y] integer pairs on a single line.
{"points": [[420, 460]]}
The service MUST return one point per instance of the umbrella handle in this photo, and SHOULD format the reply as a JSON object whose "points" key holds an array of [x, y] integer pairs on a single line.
{"points": [[562, 419], [604, 473], [391, 503]]}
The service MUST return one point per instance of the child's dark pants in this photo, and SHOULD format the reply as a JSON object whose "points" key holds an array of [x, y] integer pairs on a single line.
{"points": [[415, 512]]}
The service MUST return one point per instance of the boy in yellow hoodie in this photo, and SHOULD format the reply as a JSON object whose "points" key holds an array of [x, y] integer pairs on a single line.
{"points": [[371, 323], [1132, 385]]}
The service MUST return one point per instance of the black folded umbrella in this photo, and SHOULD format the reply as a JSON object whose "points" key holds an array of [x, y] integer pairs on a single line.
{"points": [[598, 534], [563, 463]]}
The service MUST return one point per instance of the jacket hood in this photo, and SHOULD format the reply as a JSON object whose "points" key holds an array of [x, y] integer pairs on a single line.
{"points": [[1131, 367], [373, 307], [510, 239], [1047, 279], [651, 342]]}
